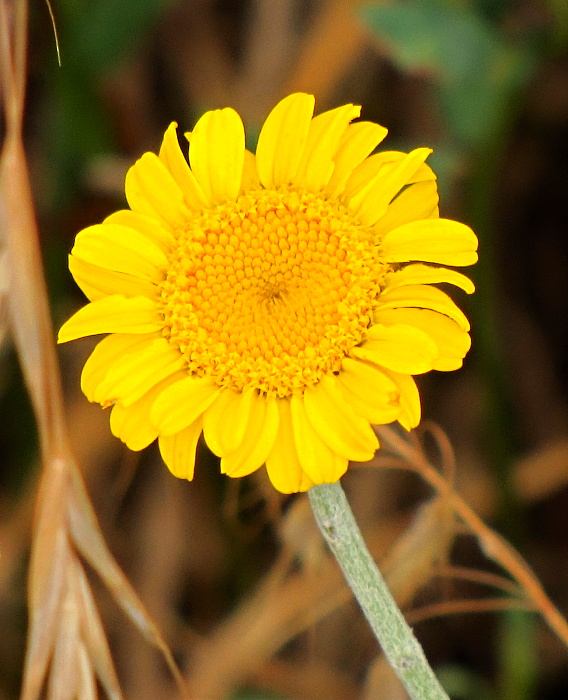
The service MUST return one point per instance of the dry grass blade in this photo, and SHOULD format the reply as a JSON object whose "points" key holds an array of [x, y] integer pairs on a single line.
{"points": [[382, 682], [484, 578], [280, 608], [63, 674], [271, 39], [48, 568], [64, 622], [28, 303], [94, 646], [80, 642], [493, 545], [3, 294], [332, 45], [44, 617], [426, 543], [310, 679], [88, 538], [543, 473], [53, 546], [64, 625], [87, 683], [459, 607], [292, 599]]}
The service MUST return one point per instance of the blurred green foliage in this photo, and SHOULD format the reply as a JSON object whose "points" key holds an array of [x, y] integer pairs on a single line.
{"points": [[475, 67], [93, 38], [96, 35], [460, 682]]}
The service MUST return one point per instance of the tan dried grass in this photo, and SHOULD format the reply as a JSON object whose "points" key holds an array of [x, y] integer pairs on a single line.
{"points": [[67, 648]]}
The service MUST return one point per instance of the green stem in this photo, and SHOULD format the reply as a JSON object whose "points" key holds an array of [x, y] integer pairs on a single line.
{"points": [[337, 524]]}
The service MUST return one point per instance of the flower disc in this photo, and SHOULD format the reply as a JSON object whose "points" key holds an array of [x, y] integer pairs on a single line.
{"points": [[271, 291]]}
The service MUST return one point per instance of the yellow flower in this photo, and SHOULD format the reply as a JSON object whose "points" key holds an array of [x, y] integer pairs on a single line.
{"points": [[279, 302]]}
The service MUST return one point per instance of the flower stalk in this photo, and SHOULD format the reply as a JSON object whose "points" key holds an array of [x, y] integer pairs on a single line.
{"points": [[403, 651]]}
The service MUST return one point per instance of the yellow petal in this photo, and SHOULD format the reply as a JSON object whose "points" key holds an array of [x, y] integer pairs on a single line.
{"points": [[121, 249], [112, 314], [409, 399], [426, 274], [390, 159], [368, 170], [282, 464], [321, 464], [216, 154], [317, 163], [172, 157], [258, 441], [138, 371], [105, 354], [375, 415], [432, 240], [401, 348], [148, 226], [250, 173], [178, 450], [182, 403], [282, 139], [452, 341], [132, 424], [372, 201], [96, 282], [422, 296], [382, 165], [419, 201], [225, 421], [369, 391], [356, 143], [151, 190], [337, 424]]}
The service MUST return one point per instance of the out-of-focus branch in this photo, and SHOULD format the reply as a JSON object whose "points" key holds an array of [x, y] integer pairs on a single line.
{"points": [[330, 48]]}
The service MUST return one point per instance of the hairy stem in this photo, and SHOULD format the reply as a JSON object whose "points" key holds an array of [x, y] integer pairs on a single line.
{"points": [[337, 524]]}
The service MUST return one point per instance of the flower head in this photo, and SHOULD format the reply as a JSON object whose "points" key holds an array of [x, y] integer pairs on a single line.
{"points": [[278, 303]]}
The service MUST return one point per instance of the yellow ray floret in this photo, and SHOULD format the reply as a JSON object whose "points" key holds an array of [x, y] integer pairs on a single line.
{"points": [[277, 303]]}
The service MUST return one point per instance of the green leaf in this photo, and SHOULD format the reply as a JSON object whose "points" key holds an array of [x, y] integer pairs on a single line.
{"points": [[559, 11], [96, 35], [463, 683], [476, 70], [445, 39], [475, 108]]}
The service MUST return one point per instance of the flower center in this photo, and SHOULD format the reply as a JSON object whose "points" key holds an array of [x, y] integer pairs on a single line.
{"points": [[271, 291]]}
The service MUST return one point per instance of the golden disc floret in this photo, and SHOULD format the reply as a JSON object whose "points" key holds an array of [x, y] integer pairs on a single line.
{"points": [[272, 291]]}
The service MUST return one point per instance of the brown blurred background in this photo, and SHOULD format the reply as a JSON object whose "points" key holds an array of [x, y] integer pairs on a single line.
{"points": [[234, 574]]}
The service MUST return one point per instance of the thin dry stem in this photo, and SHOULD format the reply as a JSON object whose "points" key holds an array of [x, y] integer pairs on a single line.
{"points": [[471, 605], [494, 546], [485, 578], [65, 638]]}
